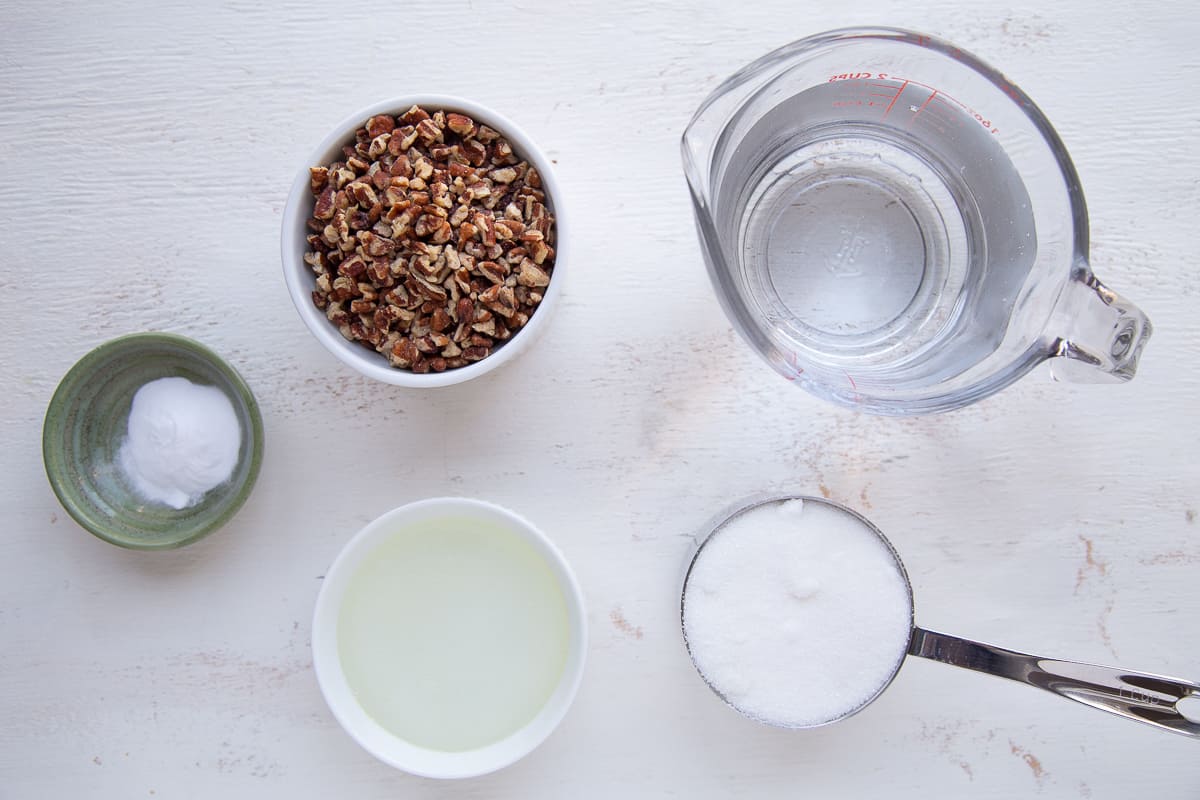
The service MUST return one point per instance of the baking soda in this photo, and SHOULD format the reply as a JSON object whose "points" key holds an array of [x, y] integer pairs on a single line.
{"points": [[183, 440], [797, 613]]}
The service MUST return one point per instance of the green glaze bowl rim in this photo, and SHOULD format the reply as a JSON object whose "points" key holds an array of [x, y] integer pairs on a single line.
{"points": [[54, 458]]}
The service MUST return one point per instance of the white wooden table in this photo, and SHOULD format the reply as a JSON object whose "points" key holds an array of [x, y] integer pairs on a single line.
{"points": [[145, 154]]}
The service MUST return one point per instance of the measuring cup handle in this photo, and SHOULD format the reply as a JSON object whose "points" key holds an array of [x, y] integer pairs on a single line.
{"points": [[1140, 696], [1105, 333]]}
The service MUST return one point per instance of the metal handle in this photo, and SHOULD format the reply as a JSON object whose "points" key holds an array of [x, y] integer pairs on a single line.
{"points": [[1140, 696]]}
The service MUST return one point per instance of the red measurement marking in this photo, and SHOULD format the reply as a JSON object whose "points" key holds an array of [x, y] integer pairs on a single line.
{"points": [[932, 114], [942, 96], [853, 385], [899, 92], [791, 360]]}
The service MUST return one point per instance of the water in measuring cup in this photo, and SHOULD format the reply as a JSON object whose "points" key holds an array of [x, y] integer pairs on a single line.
{"points": [[876, 241]]}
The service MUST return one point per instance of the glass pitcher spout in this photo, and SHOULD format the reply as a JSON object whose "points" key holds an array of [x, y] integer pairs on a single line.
{"points": [[1105, 333]]}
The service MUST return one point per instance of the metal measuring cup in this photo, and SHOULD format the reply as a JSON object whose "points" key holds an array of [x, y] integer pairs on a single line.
{"points": [[1141, 696]]}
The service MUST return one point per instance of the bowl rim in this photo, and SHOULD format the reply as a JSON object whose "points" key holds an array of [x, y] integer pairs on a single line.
{"points": [[372, 736], [53, 462], [297, 273]]}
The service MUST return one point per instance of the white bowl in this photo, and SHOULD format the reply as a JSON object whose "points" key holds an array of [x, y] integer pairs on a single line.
{"points": [[301, 281], [372, 736]]}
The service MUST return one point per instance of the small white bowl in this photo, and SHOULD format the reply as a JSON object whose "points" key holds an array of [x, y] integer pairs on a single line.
{"points": [[300, 278], [372, 736]]}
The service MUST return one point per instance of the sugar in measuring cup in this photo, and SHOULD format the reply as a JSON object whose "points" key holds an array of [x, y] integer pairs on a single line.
{"points": [[896, 227], [797, 612]]}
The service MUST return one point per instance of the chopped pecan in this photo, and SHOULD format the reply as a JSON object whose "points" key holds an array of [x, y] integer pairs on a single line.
{"points": [[509, 229], [500, 299], [492, 271], [466, 232], [316, 259], [460, 124], [414, 115], [539, 251], [324, 205], [532, 275], [475, 152], [432, 242], [379, 145], [317, 178], [429, 132], [380, 124], [475, 353], [336, 313], [404, 353], [407, 137], [353, 267], [440, 320], [426, 224], [442, 234], [374, 245], [505, 175]]}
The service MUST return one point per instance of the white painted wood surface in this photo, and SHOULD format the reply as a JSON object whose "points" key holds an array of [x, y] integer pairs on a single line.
{"points": [[145, 154]]}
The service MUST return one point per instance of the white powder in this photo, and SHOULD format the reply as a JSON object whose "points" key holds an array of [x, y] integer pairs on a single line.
{"points": [[183, 439], [796, 613]]}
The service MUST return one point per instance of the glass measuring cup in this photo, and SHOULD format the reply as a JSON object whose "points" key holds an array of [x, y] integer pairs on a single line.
{"points": [[1166, 703], [896, 227]]}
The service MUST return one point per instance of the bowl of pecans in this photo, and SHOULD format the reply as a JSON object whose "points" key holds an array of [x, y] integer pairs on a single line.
{"points": [[422, 242]]}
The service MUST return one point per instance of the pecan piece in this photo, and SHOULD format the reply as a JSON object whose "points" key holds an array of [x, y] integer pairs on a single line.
{"points": [[429, 132], [442, 234], [375, 245], [492, 271], [532, 275], [414, 115], [380, 124], [505, 175], [353, 267], [317, 178], [379, 145], [404, 353], [323, 209], [440, 321], [501, 300], [460, 124], [539, 251], [475, 152], [475, 353]]}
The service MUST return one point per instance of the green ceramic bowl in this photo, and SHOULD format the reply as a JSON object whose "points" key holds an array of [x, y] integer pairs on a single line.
{"points": [[86, 422]]}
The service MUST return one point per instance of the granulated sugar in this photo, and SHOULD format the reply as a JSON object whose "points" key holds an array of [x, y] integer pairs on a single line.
{"points": [[796, 613]]}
